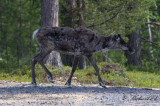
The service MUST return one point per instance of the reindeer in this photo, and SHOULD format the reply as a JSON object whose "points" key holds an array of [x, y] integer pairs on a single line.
{"points": [[74, 41]]}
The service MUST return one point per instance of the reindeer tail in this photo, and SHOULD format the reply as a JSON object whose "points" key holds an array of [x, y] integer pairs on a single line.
{"points": [[35, 33]]}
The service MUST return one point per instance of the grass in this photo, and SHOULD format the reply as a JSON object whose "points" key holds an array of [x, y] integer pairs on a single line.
{"points": [[112, 74], [143, 79]]}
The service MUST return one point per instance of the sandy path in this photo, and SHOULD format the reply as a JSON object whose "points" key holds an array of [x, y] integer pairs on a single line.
{"points": [[23, 94]]}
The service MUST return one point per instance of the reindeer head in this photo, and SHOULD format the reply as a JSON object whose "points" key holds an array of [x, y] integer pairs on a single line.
{"points": [[117, 42], [120, 44]]}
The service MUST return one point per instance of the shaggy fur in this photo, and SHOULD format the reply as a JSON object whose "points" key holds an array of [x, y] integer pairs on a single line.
{"points": [[75, 41]]}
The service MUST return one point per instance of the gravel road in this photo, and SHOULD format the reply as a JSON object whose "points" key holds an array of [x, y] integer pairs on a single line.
{"points": [[23, 94]]}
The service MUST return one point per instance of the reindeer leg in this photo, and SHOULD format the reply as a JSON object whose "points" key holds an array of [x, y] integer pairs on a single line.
{"points": [[90, 58], [33, 62], [47, 71], [74, 66], [39, 58]]}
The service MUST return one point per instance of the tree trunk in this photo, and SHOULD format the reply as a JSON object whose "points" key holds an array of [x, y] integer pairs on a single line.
{"points": [[82, 62], [158, 9], [19, 54], [150, 38], [80, 15], [135, 43], [68, 21], [49, 17]]}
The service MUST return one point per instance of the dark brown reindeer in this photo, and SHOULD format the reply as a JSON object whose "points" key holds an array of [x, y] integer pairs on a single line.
{"points": [[75, 41]]}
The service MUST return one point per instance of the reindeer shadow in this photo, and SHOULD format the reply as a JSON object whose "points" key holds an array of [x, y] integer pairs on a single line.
{"points": [[57, 89]]}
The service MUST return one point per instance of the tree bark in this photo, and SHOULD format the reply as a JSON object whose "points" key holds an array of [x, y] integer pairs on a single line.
{"points": [[49, 17], [135, 43], [70, 22], [80, 15], [150, 38], [82, 62]]}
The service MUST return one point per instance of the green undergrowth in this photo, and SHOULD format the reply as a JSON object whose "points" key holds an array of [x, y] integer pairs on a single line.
{"points": [[112, 74]]}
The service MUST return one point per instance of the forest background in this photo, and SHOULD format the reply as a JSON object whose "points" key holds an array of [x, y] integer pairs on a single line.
{"points": [[136, 20]]}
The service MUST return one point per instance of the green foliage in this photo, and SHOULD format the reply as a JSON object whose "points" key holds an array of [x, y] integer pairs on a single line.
{"points": [[19, 18], [117, 16]]}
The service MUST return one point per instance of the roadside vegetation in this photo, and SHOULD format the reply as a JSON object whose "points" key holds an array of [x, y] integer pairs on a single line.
{"points": [[113, 74], [137, 22]]}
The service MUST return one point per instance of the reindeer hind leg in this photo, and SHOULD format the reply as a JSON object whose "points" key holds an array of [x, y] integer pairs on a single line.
{"points": [[33, 63], [39, 58], [47, 71]]}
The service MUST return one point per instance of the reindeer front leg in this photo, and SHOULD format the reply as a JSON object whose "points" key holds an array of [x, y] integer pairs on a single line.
{"points": [[74, 66], [90, 58]]}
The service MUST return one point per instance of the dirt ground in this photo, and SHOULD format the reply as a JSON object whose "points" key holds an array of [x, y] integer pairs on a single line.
{"points": [[24, 94]]}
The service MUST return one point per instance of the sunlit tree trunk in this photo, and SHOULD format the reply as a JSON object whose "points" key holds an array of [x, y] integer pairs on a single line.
{"points": [[150, 38], [49, 17]]}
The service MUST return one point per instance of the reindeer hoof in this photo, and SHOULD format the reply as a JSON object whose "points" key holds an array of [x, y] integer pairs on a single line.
{"points": [[68, 85], [50, 79], [102, 84], [34, 84]]}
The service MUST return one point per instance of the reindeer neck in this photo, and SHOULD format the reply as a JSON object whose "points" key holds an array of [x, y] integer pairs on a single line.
{"points": [[103, 42]]}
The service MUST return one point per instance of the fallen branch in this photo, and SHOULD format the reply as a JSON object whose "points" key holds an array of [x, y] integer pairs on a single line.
{"points": [[154, 23], [153, 43]]}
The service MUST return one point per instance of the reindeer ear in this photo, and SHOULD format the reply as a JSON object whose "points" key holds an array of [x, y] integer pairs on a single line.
{"points": [[119, 35]]}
